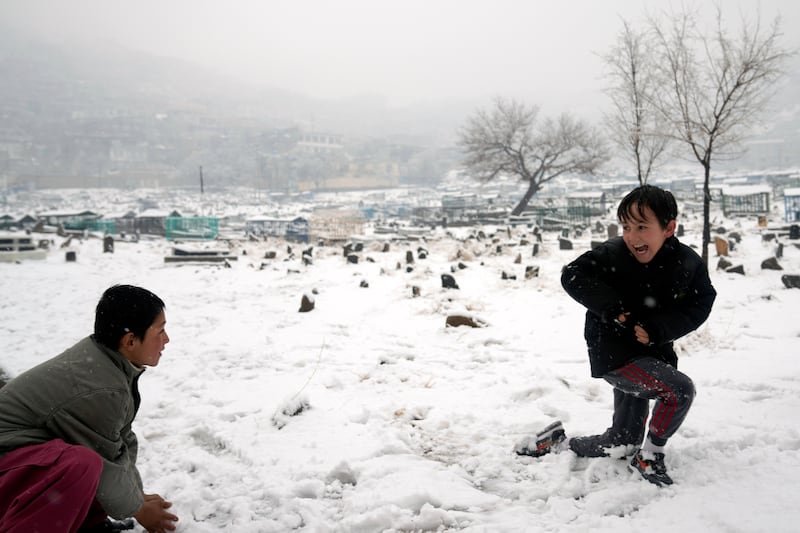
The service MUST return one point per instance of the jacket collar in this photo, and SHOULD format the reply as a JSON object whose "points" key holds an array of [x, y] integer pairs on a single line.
{"points": [[129, 369]]}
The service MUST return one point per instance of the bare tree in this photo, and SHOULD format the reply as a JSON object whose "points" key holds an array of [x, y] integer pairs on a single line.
{"points": [[635, 124], [508, 140], [716, 86]]}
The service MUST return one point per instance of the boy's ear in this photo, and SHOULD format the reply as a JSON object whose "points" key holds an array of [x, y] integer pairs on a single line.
{"points": [[669, 231], [126, 341]]}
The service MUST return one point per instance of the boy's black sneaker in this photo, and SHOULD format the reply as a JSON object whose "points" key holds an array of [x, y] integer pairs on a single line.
{"points": [[591, 445], [606, 444], [651, 466], [546, 441], [109, 526]]}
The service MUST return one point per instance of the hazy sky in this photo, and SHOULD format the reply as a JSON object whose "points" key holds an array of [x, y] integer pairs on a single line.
{"points": [[405, 50]]}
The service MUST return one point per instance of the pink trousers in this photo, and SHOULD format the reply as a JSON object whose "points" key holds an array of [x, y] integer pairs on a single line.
{"points": [[49, 487]]}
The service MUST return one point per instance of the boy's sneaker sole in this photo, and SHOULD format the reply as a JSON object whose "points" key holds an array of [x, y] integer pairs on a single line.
{"points": [[653, 470], [546, 440]]}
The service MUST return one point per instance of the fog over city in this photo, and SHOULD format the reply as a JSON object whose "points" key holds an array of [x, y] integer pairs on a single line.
{"points": [[110, 93], [403, 52]]}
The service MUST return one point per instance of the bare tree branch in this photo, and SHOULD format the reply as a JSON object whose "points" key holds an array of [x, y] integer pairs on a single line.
{"points": [[508, 140], [636, 126], [712, 101]]}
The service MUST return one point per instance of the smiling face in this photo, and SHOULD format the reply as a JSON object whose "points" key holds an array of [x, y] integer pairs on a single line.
{"points": [[146, 351], [643, 234]]}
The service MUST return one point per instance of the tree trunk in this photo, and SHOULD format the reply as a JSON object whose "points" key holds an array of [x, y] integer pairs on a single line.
{"points": [[523, 203], [706, 212]]}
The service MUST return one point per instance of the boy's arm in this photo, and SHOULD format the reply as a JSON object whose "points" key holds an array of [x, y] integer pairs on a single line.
{"points": [[82, 422], [686, 314], [583, 280]]}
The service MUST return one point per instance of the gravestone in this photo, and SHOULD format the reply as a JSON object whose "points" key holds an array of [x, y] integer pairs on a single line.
{"points": [[738, 269], [454, 321], [791, 281], [771, 264], [306, 304], [449, 282], [721, 246]]}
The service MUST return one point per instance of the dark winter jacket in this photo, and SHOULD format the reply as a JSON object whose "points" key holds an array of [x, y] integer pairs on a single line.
{"points": [[88, 395], [669, 297]]}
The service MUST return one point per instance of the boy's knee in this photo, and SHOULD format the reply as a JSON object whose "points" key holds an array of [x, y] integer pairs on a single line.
{"points": [[82, 462], [686, 390]]}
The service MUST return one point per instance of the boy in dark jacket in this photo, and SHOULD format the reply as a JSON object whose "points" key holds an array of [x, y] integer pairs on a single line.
{"points": [[642, 291], [67, 450]]}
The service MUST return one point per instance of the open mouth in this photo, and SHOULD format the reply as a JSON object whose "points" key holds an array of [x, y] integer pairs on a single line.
{"points": [[641, 249]]}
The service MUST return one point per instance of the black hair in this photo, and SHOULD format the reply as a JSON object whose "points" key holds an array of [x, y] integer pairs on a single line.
{"points": [[123, 309], [660, 201]]}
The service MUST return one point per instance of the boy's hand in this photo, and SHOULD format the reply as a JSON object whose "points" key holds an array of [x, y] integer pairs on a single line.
{"points": [[621, 318], [153, 515], [641, 334]]}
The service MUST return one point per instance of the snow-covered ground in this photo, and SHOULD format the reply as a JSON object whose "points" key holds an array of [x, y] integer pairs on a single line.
{"points": [[407, 425]]}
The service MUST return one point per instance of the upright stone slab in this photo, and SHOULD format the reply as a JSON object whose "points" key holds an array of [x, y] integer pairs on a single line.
{"points": [[721, 245], [449, 282]]}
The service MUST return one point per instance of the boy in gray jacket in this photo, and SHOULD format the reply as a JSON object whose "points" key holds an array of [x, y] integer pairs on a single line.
{"points": [[67, 450]]}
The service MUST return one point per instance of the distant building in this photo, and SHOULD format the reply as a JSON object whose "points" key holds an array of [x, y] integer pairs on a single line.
{"points": [[124, 222], [791, 202], [320, 143], [336, 224], [586, 204], [293, 229], [746, 200], [154, 221], [70, 220]]}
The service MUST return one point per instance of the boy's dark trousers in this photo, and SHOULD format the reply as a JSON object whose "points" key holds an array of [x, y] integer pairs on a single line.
{"points": [[636, 383]]}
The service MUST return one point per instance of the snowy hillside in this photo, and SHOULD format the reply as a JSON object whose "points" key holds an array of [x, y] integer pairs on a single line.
{"points": [[407, 425]]}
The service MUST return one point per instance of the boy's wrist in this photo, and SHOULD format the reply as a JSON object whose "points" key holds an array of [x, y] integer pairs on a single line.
{"points": [[612, 313]]}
